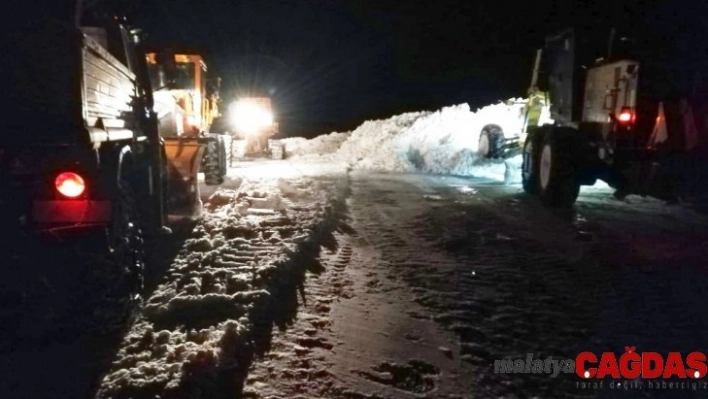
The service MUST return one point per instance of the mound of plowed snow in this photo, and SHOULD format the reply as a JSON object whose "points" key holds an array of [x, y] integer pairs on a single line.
{"points": [[325, 144], [443, 142]]}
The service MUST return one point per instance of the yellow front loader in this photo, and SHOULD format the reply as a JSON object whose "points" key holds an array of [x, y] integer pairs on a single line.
{"points": [[185, 109]]}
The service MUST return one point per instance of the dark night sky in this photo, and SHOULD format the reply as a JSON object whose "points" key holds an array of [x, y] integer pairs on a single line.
{"points": [[331, 64]]}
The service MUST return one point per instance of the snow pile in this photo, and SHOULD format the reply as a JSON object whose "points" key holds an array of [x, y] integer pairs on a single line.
{"points": [[321, 145], [443, 142], [373, 144], [198, 325]]}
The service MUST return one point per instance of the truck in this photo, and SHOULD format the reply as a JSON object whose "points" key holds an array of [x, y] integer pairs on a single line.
{"points": [[85, 167], [624, 111]]}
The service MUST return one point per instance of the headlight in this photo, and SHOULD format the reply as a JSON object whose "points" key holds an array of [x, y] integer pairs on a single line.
{"points": [[249, 117]]}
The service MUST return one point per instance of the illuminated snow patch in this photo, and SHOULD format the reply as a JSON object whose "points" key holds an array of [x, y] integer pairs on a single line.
{"points": [[441, 142]]}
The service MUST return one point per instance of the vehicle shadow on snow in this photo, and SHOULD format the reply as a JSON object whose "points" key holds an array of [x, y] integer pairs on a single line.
{"points": [[58, 333], [160, 257], [287, 290], [283, 307]]}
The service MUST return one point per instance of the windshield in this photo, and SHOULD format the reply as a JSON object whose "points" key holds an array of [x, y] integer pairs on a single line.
{"points": [[185, 79]]}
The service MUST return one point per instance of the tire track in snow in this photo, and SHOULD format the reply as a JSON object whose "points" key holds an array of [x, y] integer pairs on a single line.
{"points": [[513, 278], [499, 295], [368, 333], [234, 279], [296, 363]]}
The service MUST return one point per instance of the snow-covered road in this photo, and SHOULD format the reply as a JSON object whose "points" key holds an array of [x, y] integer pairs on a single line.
{"points": [[441, 276], [309, 280]]}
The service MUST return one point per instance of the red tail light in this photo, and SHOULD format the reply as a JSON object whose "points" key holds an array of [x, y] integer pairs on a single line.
{"points": [[70, 184], [626, 116]]}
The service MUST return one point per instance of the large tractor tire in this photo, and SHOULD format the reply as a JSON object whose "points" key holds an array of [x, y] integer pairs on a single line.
{"points": [[213, 165], [118, 270], [126, 258], [491, 140], [223, 156], [556, 169], [529, 174]]}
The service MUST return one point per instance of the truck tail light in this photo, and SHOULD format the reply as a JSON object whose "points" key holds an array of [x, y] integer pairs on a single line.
{"points": [[626, 116], [70, 184]]}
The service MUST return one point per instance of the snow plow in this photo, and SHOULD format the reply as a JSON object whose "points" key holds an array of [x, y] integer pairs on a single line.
{"points": [[252, 126], [504, 138], [627, 116], [85, 156]]}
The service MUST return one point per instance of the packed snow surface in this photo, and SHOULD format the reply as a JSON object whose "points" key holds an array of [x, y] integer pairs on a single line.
{"points": [[442, 142], [257, 229]]}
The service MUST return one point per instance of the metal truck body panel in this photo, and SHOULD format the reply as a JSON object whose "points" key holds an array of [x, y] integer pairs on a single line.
{"points": [[108, 88], [559, 54], [608, 89]]}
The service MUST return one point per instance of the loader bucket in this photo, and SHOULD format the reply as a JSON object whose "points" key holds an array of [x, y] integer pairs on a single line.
{"points": [[184, 156]]}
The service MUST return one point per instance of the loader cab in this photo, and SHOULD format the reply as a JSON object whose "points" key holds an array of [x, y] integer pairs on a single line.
{"points": [[185, 77]]}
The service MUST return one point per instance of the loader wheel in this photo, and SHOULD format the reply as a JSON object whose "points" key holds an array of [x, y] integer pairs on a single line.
{"points": [[490, 142], [211, 163], [557, 184], [223, 159], [529, 174]]}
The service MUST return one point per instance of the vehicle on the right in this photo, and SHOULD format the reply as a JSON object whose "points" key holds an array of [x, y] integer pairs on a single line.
{"points": [[627, 111]]}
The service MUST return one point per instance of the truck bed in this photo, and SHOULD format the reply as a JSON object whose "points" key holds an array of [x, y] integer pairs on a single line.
{"points": [[109, 87]]}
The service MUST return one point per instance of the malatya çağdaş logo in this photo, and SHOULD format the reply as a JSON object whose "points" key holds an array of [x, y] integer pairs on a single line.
{"points": [[645, 365]]}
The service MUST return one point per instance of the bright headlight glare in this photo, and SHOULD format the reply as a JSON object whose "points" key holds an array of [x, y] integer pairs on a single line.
{"points": [[248, 116]]}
